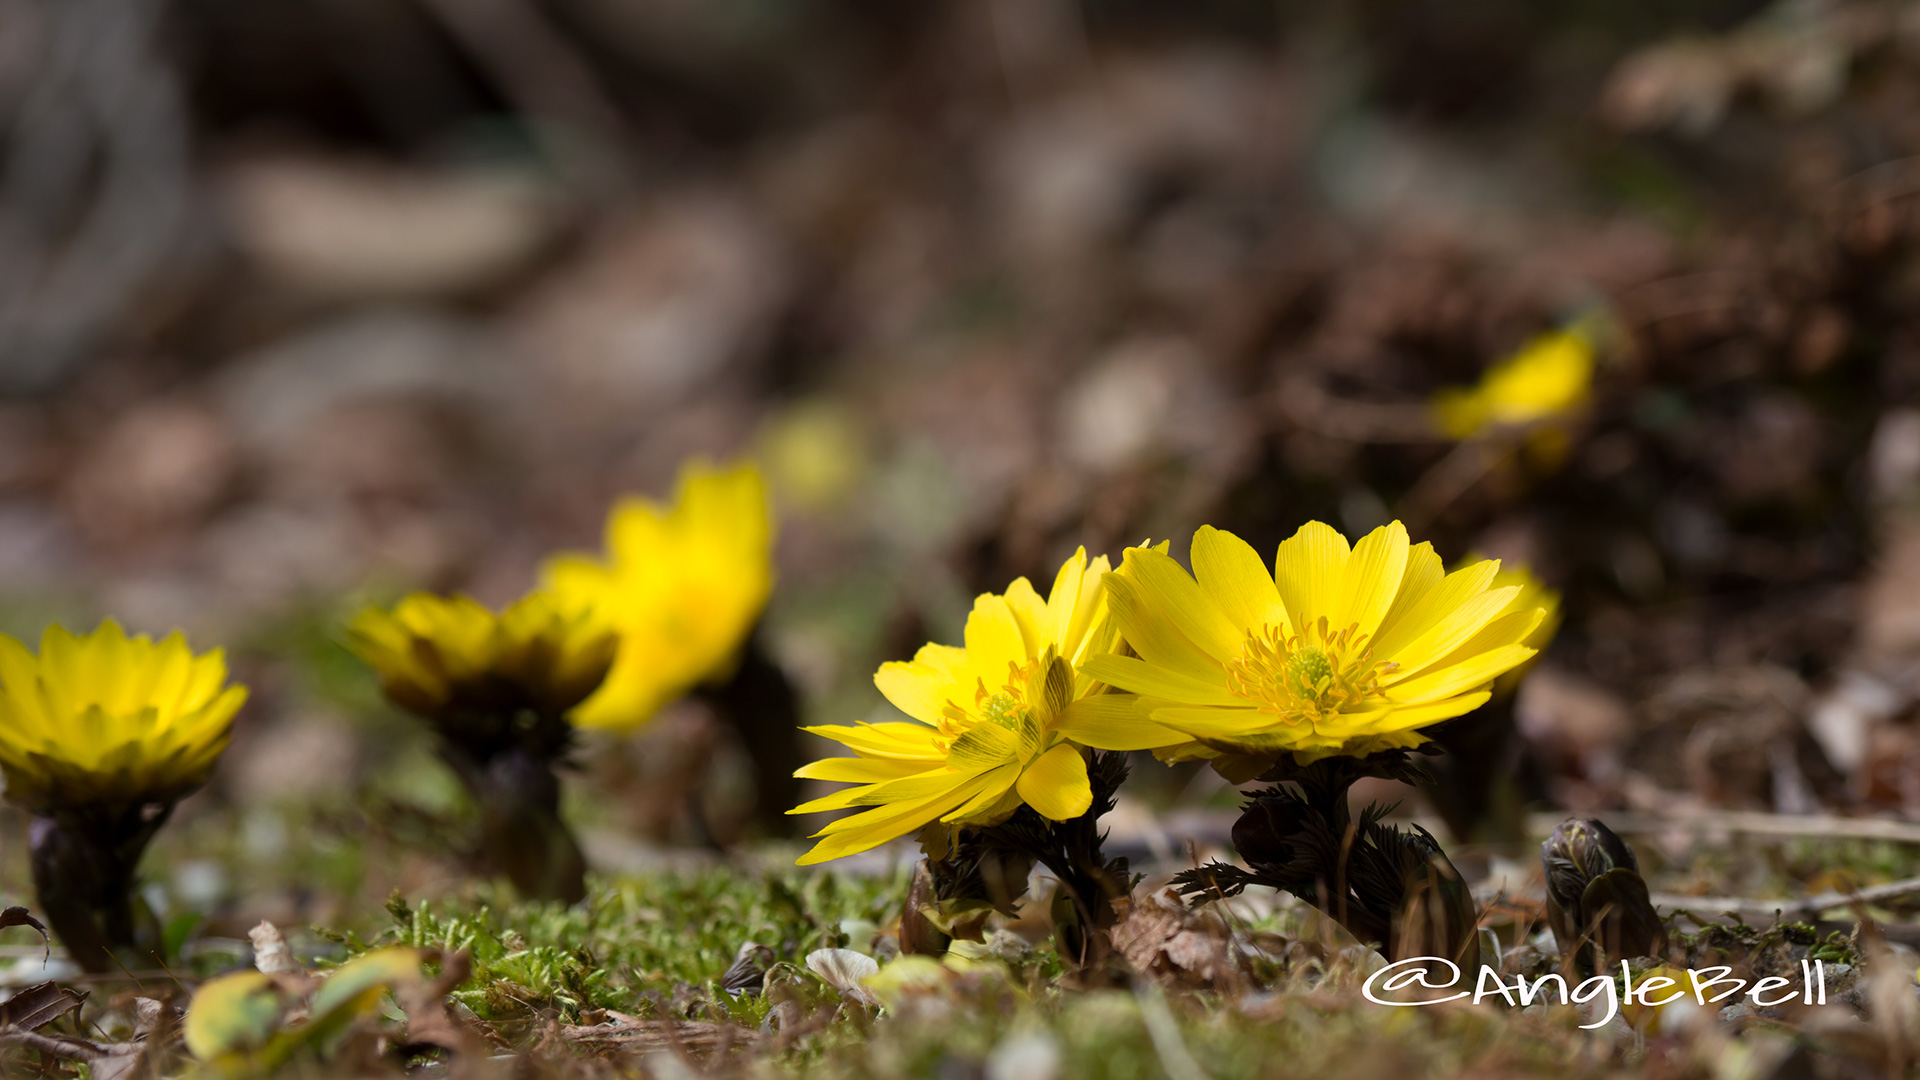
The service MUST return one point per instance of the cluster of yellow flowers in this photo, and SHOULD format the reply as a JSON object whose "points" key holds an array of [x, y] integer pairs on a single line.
{"points": [[1340, 649], [101, 734], [105, 717], [675, 594]]}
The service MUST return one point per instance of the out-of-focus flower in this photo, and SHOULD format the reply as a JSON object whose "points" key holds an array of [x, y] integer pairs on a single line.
{"points": [[1595, 895], [100, 736], [682, 584], [814, 454], [447, 659], [1549, 376], [991, 721], [498, 689], [1341, 650], [109, 718]]}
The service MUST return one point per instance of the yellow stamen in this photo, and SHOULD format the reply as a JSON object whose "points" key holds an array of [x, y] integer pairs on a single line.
{"points": [[1298, 679]]}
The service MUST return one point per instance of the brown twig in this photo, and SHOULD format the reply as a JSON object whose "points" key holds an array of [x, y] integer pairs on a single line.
{"points": [[1805, 907], [1750, 821], [66, 1046]]}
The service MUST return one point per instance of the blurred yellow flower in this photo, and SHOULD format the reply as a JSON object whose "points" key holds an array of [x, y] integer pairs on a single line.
{"points": [[993, 721], [1549, 376], [814, 454], [1341, 650], [110, 719], [682, 585], [438, 655]]}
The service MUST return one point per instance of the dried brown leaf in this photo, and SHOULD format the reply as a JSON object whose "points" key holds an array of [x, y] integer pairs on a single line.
{"points": [[38, 1005], [19, 916]]}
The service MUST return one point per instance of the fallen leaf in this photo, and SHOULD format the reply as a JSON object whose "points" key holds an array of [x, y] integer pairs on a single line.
{"points": [[38, 1005]]}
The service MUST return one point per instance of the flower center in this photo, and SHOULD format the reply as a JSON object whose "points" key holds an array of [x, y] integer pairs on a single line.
{"points": [[1002, 708], [1005, 707], [1307, 676]]}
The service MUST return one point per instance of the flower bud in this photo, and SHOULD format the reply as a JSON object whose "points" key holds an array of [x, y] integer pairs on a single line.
{"points": [[1434, 914], [1266, 834], [1596, 897]]}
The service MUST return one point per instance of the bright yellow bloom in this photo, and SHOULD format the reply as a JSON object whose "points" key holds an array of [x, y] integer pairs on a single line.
{"points": [[991, 721], [1549, 376], [1341, 650], [683, 585], [110, 719], [438, 654]]}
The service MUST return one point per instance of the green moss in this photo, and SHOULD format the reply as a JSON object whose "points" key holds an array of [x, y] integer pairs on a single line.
{"points": [[653, 946]]}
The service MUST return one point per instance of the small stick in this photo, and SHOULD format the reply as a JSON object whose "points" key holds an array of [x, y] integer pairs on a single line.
{"points": [[1807, 907], [1749, 821]]}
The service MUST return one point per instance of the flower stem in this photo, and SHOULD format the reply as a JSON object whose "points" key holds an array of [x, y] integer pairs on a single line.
{"points": [[521, 834], [83, 863]]}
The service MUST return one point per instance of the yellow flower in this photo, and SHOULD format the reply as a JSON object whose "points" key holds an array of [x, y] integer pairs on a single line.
{"points": [[1549, 376], [110, 719], [683, 586], [438, 656], [991, 721], [1342, 650]]}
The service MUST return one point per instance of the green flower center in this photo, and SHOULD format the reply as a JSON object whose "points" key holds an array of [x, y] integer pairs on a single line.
{"points": [[1003, 709], [1309, 671]]}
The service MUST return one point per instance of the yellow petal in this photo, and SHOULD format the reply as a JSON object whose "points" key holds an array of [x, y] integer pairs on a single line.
{"points": [[1468, 675], [993, 639], [991, 801], [1372, 579], [1115, 722], [1307, 570], [1030, 614], [894, 739], [1063, 599], [1434, 605], [1165, 587], [1231, 572], [1149, 632], [1140, 677], [1407, 717], [1512, 628], [872, 828], [1424, 573], [1201, 721], [915, 689], [984, 746], [1450, 632], [1056, 784], [857, 770]]}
